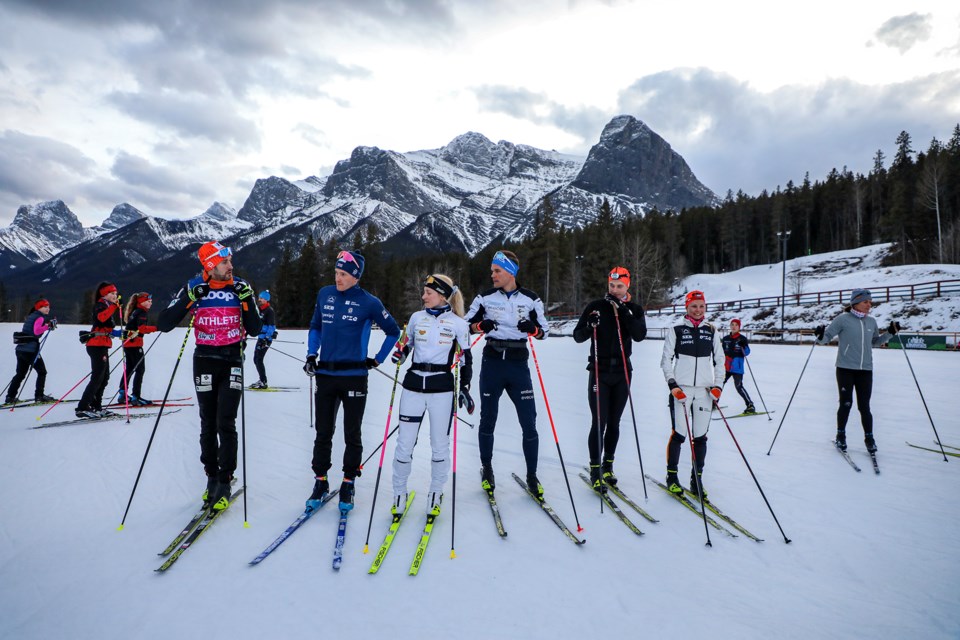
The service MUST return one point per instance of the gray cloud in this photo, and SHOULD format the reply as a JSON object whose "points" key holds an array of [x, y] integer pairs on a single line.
{"points": [[38, 168], [139, 172], [192, 116], [736, 137], [903, 32], [315, 136], [523, 104]]}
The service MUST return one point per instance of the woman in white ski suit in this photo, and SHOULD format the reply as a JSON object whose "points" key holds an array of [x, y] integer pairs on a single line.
{"points": [[439, 338], [693, 366]]}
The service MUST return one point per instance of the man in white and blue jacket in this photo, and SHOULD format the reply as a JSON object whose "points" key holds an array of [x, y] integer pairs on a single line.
{"points": [[337, 357]]}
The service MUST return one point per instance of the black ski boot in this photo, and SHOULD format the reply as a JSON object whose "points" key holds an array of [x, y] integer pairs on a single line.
{"points": [[697, 488], [535, 487], [870, 443], [608, 476], [596, 478], [210, 491], [221, 499], [321, 487], [841, 440], [486, 478], [673, 482], [346, 494]]}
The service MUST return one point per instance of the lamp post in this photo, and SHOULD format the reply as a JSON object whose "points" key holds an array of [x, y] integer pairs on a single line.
{"points": [[576, 297], [784, 236]]}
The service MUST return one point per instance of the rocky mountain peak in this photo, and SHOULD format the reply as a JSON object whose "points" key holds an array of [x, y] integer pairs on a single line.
{"points": [[52, 219], [477, 154], [122, 215], [219, 212]]}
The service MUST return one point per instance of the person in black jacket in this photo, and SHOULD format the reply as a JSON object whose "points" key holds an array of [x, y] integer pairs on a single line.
{"points": [[613, 347], [268, 334], [98, 340], [224, 313], [137, 326], [28, 352]]}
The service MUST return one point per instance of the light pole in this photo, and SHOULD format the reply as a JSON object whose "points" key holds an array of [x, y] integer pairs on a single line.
{"points": [[579, 260], [784, 236]]}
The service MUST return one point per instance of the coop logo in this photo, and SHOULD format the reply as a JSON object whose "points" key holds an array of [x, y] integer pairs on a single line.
{"points": [[221, 295], [916, 342]]}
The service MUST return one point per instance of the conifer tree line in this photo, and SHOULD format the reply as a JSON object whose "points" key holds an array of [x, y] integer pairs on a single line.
{"points": [[914, 203]]}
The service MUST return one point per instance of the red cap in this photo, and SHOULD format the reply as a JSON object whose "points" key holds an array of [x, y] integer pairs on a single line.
{"points": [[620, 274], [737, 320], [211, 254], [39, 304], [695, 295]]}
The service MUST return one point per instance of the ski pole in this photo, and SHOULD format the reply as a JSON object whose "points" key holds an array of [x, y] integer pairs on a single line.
{"points": [[310, 402], [696, 473], [754, 378], [752, 474], [133, 372], [596, 390], [300, 360], [791, 396], [40, 417], [157, 422], [243, 434], [383, 450], [374, 452], [456, 403], [556, 439], [633, 415], [922, 399], [33, 364]]}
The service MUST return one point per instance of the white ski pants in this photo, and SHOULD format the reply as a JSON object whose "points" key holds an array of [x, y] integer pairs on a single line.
{"points": [[413, 407]]}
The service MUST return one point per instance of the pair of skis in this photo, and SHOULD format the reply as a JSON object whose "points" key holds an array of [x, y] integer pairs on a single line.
{"points": [[846, 456], [614, 489], [118, 416], [392, 533], [194, 529], [688, 498]]}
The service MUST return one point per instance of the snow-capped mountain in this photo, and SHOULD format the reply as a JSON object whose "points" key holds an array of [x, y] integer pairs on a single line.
{"points": [[460, 197], [38, 232]]}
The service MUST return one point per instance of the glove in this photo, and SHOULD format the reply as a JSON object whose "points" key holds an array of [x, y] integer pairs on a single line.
{"points": [[819, 332], [52, 323], [486, 326], [676, 391], [310, 368], [465, 401], [275, 334], [594, 319], [371, 363], [894, 328], [243, 290], [529, 325], [715, 392], [116, 333], [198, 291], [147, 328], [400, 355]]}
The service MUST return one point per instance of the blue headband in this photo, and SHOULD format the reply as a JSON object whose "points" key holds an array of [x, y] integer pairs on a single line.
{"points": [[505, 263]]}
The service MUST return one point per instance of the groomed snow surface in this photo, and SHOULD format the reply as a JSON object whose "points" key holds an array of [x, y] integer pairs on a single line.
{"points": [[871, 557]]}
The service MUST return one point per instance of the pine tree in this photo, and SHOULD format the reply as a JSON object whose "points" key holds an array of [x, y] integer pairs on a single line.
{"points": [[308, 282]]}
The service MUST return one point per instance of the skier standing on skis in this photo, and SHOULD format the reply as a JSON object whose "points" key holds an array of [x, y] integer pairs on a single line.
{"points": [[692, 365], [612, 345], [508, 315], [98, 340], [137, 309], [337, 357], [736, 347], [223, 315], [858, 334], [267, 335], [435, 336], [28, 352]]}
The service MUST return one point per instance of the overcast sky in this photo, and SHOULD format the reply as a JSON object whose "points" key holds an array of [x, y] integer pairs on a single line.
{"points": [[171, 105]]}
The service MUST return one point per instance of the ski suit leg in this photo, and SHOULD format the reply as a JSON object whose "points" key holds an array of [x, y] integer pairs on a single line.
{"points": [[327, 403], [353, 396], [219, 390], [440, 406], [492, 384], [135, 368], [99, 375], [41, 370], [618, 392], [259, 353], [520, 390], [845, 380], [412, 407], [863, 383], [738, 384], [23, 366], [593, 447]]}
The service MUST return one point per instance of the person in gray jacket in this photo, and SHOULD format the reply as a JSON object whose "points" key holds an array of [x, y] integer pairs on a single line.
{"points": [[857, 333]]}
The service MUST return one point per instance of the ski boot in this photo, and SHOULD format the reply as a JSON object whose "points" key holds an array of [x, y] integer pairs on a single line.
{"points": [[44, 398], [210, 491], [487, 482], [346, 495], [399, 504], [697, 488], [596, 480], [535, 487], [750, 409], [87, 413], [841, 440], [221, 498], [673, 483], [320, 489], [608, 476], [259, 384], [433, 507], [870, 443], [121, 397]]}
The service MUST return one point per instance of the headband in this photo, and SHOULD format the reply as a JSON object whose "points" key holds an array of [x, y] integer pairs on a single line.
{"points": [[505, 263]]}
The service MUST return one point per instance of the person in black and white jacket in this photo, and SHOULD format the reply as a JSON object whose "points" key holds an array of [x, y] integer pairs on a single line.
{"points": [[439, 339], [693, 366], [508, 315]]}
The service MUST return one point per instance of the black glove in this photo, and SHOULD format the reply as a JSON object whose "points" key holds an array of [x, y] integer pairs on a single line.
{"points": [[274, 336], [310, 368], [819, 332], [894, 328], [465, 401], [52, 323], [529, 325], [487, 325], [593, 319], [243, 290], [198, 291], [371, 363], [400, 355]]}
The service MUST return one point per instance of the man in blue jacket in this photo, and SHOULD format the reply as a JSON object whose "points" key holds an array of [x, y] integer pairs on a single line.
{"points": [[337, 357], [736, 347]]}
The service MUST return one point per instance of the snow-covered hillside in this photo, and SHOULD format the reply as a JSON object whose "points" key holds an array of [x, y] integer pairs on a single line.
{"points": [[871, 556]]}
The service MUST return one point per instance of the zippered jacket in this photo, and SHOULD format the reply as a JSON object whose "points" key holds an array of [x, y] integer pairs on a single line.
{"points": [[693, 356], [857, 337]]}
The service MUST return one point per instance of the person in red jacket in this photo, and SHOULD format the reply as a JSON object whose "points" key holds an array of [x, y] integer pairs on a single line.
{"points": [[137, 326], [99, 340]]}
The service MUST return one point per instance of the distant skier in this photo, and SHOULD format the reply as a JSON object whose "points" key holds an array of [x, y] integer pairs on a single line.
{"points": [[692, 364], [106, 315], [223, 315], [137, 308], [614, 386], [508, 315], [339, 334], [736, 347], [858, 333], [435, 335], [27, 351], [267, 335]]}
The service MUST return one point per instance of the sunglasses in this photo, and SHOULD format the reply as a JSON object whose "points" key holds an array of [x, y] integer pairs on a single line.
{"points": [[346, 256]]}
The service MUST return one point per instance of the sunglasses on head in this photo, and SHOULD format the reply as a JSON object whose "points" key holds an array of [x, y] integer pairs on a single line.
{"points": [[346, 256], [225, 252]]}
